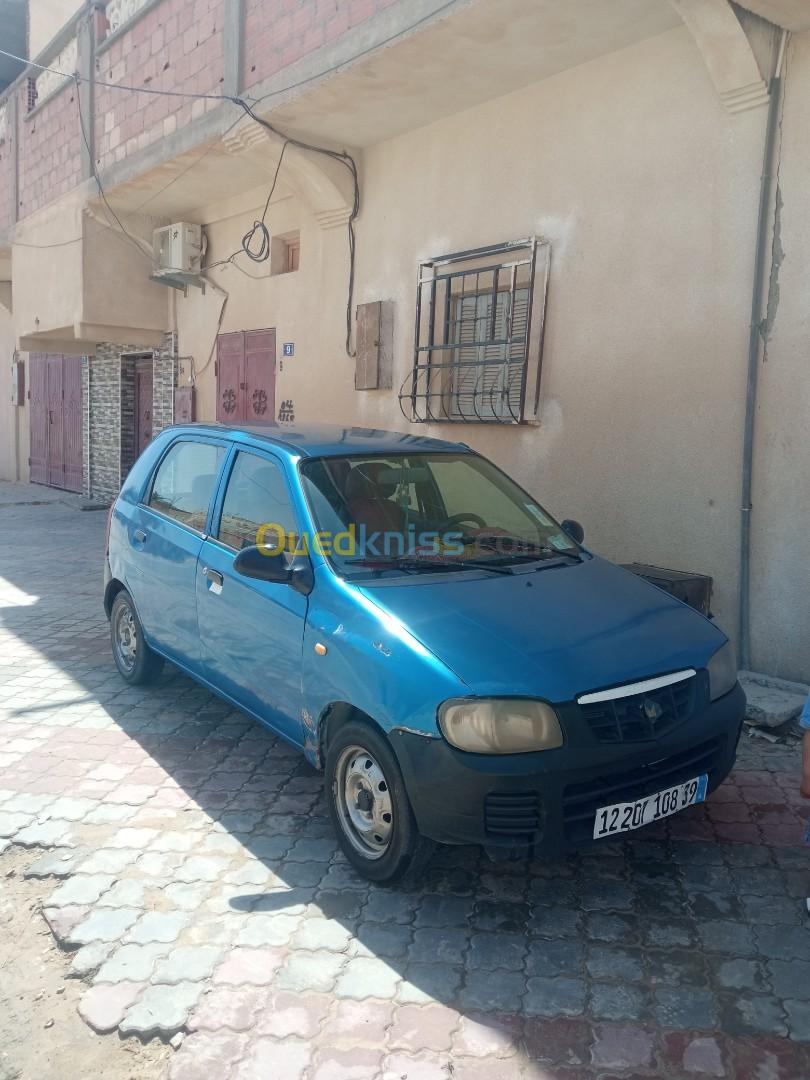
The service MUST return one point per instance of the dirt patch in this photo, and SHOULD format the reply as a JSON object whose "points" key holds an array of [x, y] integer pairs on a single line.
{"points": [[41, 1032]]}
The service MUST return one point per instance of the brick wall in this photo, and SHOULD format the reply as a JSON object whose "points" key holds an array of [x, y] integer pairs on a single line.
{"points": [[6, 170], [175, 45], [280, 32], [165, 45], [50, 148]]}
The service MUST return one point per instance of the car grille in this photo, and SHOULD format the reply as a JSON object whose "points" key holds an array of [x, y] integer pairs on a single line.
{"points": [[513, 814], [641, 716], [582, 800]]}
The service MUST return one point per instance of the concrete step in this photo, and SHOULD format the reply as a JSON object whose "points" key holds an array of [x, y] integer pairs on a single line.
{"points": [[771, 702]]}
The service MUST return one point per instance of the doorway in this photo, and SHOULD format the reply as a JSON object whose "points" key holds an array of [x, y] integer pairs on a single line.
{"points": [[56, 420], [246, 376], [143, 403]]}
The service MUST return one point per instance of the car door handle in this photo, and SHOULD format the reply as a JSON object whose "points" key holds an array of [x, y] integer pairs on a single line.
{"points": [[214, 576], [139, 535]]}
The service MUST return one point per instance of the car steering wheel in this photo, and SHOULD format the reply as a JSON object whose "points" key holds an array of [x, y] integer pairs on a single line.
{"points": [[458, 519]]}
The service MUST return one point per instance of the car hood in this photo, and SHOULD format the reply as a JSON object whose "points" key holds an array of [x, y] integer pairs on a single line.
{"points": [[556, 632]]}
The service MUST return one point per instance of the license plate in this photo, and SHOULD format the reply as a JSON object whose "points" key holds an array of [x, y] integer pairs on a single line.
{"points": [[624, 816]]}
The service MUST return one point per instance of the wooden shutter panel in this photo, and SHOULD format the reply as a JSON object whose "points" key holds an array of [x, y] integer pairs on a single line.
{"points": [[38, 460], [230, 377], [260, 375], [56, 428]]}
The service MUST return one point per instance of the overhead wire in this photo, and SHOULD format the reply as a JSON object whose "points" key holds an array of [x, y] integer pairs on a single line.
{"points": [[259, 226]]}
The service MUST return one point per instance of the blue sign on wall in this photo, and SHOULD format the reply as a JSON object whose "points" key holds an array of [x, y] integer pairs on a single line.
{"points": [[289, 348]]}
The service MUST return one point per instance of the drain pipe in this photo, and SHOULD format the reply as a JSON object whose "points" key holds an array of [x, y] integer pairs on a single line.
{"points": [[766, 184]]}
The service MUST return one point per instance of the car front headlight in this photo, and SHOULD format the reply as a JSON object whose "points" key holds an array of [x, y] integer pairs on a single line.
{"points": [[500, 725], [722, 671]]}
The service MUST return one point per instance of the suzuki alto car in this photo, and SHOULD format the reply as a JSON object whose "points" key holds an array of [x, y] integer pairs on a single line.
{"points": [[461, 668]]}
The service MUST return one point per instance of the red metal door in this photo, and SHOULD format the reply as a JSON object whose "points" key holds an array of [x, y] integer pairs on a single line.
{"points": [[56, 427], [260, 375], [72, 421], [38, 459], [143, 405], [230, 378]]}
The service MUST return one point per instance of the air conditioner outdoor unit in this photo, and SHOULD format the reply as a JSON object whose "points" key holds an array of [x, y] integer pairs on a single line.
{"points": [[177, 249]]}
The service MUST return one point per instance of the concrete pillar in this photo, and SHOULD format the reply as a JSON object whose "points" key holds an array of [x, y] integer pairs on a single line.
{"points": [[85, 65], [13, 136], [233, 42]]}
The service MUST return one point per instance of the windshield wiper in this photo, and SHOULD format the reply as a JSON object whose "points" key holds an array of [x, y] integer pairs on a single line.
{"points": [[527, 548], [415, 565]]}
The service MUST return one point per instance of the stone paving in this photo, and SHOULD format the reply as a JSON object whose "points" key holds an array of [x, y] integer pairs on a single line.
{"points": [[197, 882]]}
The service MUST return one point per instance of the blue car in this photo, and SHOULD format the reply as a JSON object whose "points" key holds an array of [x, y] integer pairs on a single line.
{"points": [[461, 668]]}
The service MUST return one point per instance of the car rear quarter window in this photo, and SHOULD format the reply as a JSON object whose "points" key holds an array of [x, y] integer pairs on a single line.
{"points": [[256, 495], [184, 482]]}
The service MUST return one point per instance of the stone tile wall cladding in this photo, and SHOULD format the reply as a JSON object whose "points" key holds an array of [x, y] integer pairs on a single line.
{"points": [[109, 410]]}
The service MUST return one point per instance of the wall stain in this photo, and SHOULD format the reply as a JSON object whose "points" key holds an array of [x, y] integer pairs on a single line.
{"points": [[777, 258]]}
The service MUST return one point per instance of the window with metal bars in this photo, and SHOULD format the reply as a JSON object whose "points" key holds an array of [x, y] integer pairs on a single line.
{"points": [[479, 334]]}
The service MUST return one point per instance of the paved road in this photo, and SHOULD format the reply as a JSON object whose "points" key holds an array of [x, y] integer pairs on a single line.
{"points": [[197, 879]]}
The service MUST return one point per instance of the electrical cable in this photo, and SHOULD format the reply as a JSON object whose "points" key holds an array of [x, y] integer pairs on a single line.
{"points": [[259, 227], [224, 97], [263, 252], [135, 243]]}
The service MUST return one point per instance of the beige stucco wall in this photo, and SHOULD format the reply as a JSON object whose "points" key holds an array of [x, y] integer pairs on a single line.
{"points": [[781, 516], [647, 189], [13, 420]]}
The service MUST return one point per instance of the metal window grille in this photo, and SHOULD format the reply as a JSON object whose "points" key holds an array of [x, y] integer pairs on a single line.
{"points": [[479, 334]]}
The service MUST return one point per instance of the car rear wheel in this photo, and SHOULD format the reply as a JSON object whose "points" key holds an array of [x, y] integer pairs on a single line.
{"points": [[136, 662], [369, 806]]}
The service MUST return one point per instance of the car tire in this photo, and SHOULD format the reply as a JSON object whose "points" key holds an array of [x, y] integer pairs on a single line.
{"points": [[369, 806], [136, 662]]}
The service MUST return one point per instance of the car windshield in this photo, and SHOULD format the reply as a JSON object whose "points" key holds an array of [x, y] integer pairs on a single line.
{"points": [[430, 512]]}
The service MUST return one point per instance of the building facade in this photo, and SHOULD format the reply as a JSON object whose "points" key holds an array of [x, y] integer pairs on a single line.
{"points": [[538, 223]]}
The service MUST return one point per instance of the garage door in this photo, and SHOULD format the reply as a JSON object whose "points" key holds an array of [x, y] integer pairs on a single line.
{"points": [[56, 420]]}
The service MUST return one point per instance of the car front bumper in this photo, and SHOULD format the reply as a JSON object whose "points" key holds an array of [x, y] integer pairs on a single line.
{"points": [[547, 801]]}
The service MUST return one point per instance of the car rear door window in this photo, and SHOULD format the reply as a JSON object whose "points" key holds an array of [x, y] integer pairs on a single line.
{"points": [[184, 482], [256, 495]]}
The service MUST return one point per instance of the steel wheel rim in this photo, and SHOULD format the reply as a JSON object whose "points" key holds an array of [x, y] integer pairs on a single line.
{"points": [[126, 638], [363, 799]]}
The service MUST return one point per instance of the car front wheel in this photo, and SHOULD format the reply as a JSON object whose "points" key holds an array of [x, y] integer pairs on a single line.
{"points": [[136, 662], [369, 806]]}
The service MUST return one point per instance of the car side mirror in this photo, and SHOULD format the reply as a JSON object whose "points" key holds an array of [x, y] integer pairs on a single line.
{"points": [[251, 562], [574, 530]]}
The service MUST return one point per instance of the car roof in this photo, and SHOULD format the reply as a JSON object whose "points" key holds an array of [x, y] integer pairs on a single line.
{"points": [[324, 440]]}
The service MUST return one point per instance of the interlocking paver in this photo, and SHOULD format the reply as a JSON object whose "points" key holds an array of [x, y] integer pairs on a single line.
{"points": [[207, 1055], [267, 1057], [161, 1009], [229, 1007], [189, 963], [104, 924], [158, 926], [103, 1007], [164, 814], [363, 977], [487, 1035], [131, 963], [356, 1023]]}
